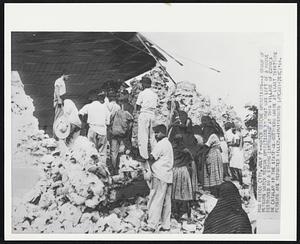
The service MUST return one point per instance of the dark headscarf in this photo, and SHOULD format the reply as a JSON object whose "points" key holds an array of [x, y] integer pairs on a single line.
{"points": [[182, 156], [219, 129], [210, 126], [228, 125], [183, 116], [228, 216], [189, 139], [178, 127]]}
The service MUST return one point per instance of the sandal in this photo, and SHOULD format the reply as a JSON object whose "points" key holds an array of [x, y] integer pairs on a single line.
{"points": [[163, 229], [148, 229]]}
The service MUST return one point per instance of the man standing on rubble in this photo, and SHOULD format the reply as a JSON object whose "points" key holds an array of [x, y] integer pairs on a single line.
{"points": [[146, 103], [98, 118], [120, 132]]}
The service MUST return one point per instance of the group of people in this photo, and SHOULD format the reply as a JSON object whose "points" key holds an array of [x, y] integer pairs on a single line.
{"points": [[178, 157], [106, 120]]}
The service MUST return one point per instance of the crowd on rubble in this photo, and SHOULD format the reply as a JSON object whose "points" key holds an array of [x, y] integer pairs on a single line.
{"points": [[179, 158]]}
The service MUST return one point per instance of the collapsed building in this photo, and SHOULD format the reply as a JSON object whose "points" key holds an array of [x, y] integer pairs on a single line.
{"points": [[92, 59], [72, 195]]}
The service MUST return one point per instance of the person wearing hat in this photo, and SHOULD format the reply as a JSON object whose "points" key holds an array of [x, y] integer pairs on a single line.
{"points": [[59, 92], [61, 128], [161, 162], [71, 113], [69, 117], [146, 103], [98, 118]]}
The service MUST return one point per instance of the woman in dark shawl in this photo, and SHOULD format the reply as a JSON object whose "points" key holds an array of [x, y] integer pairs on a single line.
{"points": [[228, 216], [189, 138], [178, 126], [208, 127], [191, 143], [185, 128], [200, 155], [182, 192]]}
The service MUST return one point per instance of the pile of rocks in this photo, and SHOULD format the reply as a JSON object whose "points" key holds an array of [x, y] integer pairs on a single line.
{"points": [[72, 192], [74, 183], [190, 100], [75, 190]]}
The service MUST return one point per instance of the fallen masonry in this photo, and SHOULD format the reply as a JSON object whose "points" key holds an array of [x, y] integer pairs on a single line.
{"points": [[75, 192]]}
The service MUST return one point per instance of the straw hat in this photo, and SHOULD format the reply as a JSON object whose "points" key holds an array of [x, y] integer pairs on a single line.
{"points": [[62, 127]]}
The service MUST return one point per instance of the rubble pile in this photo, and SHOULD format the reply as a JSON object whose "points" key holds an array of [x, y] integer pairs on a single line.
{"points": [[74, 183], [223, 112], [70, 195], [76, 192], [162, 87], [23, 123], [136, 89], [196, 105], [190, 100], [27, 140]]}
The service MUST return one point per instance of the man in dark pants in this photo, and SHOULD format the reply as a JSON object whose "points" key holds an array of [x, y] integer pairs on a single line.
{"points": [[120, 131]]}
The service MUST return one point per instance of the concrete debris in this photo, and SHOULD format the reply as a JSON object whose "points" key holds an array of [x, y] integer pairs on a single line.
{"points": [[75, 183]]}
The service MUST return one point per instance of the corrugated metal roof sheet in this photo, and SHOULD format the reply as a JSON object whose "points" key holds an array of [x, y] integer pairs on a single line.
{"points": [[92, 59]]}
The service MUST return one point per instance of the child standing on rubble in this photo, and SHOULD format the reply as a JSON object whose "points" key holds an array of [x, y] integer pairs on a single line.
{"points": [[236, 161], [161, 161], [182, 191]]}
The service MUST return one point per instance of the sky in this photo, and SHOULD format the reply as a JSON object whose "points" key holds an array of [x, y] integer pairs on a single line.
{"points": [[235, 55]]}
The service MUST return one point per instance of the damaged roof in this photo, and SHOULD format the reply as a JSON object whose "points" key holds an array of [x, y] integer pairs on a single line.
{"points": [[92, 59]]}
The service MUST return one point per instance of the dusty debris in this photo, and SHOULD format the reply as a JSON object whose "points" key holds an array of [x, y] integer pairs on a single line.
{"points": [[75, 182]]}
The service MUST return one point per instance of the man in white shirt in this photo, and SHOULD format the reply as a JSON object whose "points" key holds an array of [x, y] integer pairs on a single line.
{"points": [[98, 118], [161, 161], [146, 103]]}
